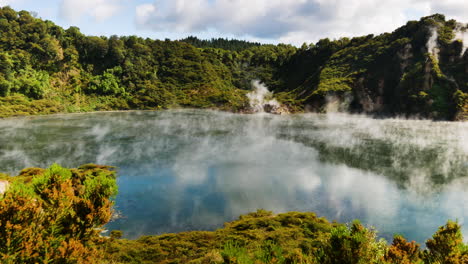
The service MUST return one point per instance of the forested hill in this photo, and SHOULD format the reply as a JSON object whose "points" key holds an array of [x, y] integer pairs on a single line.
{"points": [[220, 43], [420, 69]]}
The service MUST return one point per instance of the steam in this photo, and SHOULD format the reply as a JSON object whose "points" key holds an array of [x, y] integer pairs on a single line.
{"points": [[336, 104], [3, 186], [462, 35], [261, 97], [192, 169], [432, 45]]}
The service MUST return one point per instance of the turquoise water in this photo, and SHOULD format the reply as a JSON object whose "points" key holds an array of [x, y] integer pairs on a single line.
{"points": [[193, 169]]}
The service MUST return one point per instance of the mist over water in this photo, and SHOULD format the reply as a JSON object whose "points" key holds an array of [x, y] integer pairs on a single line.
{"points": [[193, 169]]}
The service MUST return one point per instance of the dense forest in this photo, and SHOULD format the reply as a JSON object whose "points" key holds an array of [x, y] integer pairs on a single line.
{"points": [[56, 215], [420, 70]]}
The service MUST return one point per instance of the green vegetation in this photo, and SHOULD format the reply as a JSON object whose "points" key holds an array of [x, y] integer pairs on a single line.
{"points": [[55, 215], [47, 69], [294, 237], [220, 43]]}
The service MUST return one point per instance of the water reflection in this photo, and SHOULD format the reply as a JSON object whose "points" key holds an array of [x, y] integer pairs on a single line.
{"points": [[189, 169]]}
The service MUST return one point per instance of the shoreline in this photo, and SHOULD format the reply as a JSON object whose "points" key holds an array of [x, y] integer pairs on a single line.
{"points": [[242, 112]]}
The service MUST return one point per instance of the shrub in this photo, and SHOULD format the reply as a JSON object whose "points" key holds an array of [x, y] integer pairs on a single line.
{"points": [[402, 252], [353, 244], [55, 215], [446, 246]]}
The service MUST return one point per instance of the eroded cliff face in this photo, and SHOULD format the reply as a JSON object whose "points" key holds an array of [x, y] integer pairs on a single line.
{"points": [[419, 81], [419, 70]]}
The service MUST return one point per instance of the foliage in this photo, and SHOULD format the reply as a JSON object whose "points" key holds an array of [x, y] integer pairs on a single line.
{"points": [[34, 84], [461, 99], [446, 246], [107, 84], [353, 244], [220, 43], [18, 104], [402, 251], [268, 252], [259, 237], [392, 73], [54, 215], [293, 237]]}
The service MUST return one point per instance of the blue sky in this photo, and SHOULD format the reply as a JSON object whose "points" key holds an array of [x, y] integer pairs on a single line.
{"points": [[267, 21]]}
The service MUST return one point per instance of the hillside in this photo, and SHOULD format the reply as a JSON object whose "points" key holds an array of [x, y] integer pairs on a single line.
{"points": [[417, 70]]}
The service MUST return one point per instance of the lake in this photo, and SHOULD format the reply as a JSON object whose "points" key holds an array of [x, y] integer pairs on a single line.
{"points": [[183, 170]]}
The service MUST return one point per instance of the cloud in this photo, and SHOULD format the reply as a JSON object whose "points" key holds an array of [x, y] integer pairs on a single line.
{"points": [[73, 10], [453, 8], [290, 21], [5, 2], [10, 2]]}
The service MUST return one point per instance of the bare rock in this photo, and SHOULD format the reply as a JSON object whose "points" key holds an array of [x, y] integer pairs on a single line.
{"points": [[276, 109]]}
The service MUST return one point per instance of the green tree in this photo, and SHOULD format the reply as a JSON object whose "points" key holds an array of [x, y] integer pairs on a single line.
{"points": [[108, 83], [32, 83], [446, 246]]}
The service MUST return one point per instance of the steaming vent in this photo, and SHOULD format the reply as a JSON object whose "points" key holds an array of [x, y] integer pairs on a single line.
{"points": [[462, 35], [432, 45], [261, 100]]}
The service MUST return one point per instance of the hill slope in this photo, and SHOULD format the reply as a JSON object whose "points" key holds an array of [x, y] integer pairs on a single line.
{"points": [[417, 70]]}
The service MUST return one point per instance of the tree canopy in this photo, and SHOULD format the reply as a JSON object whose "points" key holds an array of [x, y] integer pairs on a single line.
{"points": [[392, 73]]}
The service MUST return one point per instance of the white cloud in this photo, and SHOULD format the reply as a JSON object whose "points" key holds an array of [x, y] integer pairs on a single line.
{"points": [[143, 12], [73, 10], [454, 8], [5, 2], [291, 21], [10, 2]]}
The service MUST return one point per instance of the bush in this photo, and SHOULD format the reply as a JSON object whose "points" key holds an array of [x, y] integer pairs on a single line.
{"points": [[446, 246], [402, 252], [55, 215], [353, 244]]}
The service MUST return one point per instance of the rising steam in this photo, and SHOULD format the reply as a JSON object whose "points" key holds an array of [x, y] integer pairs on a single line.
{"points": [[335, 104], [432, 45], [260, 98], [462, 35], [192, 169]]}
